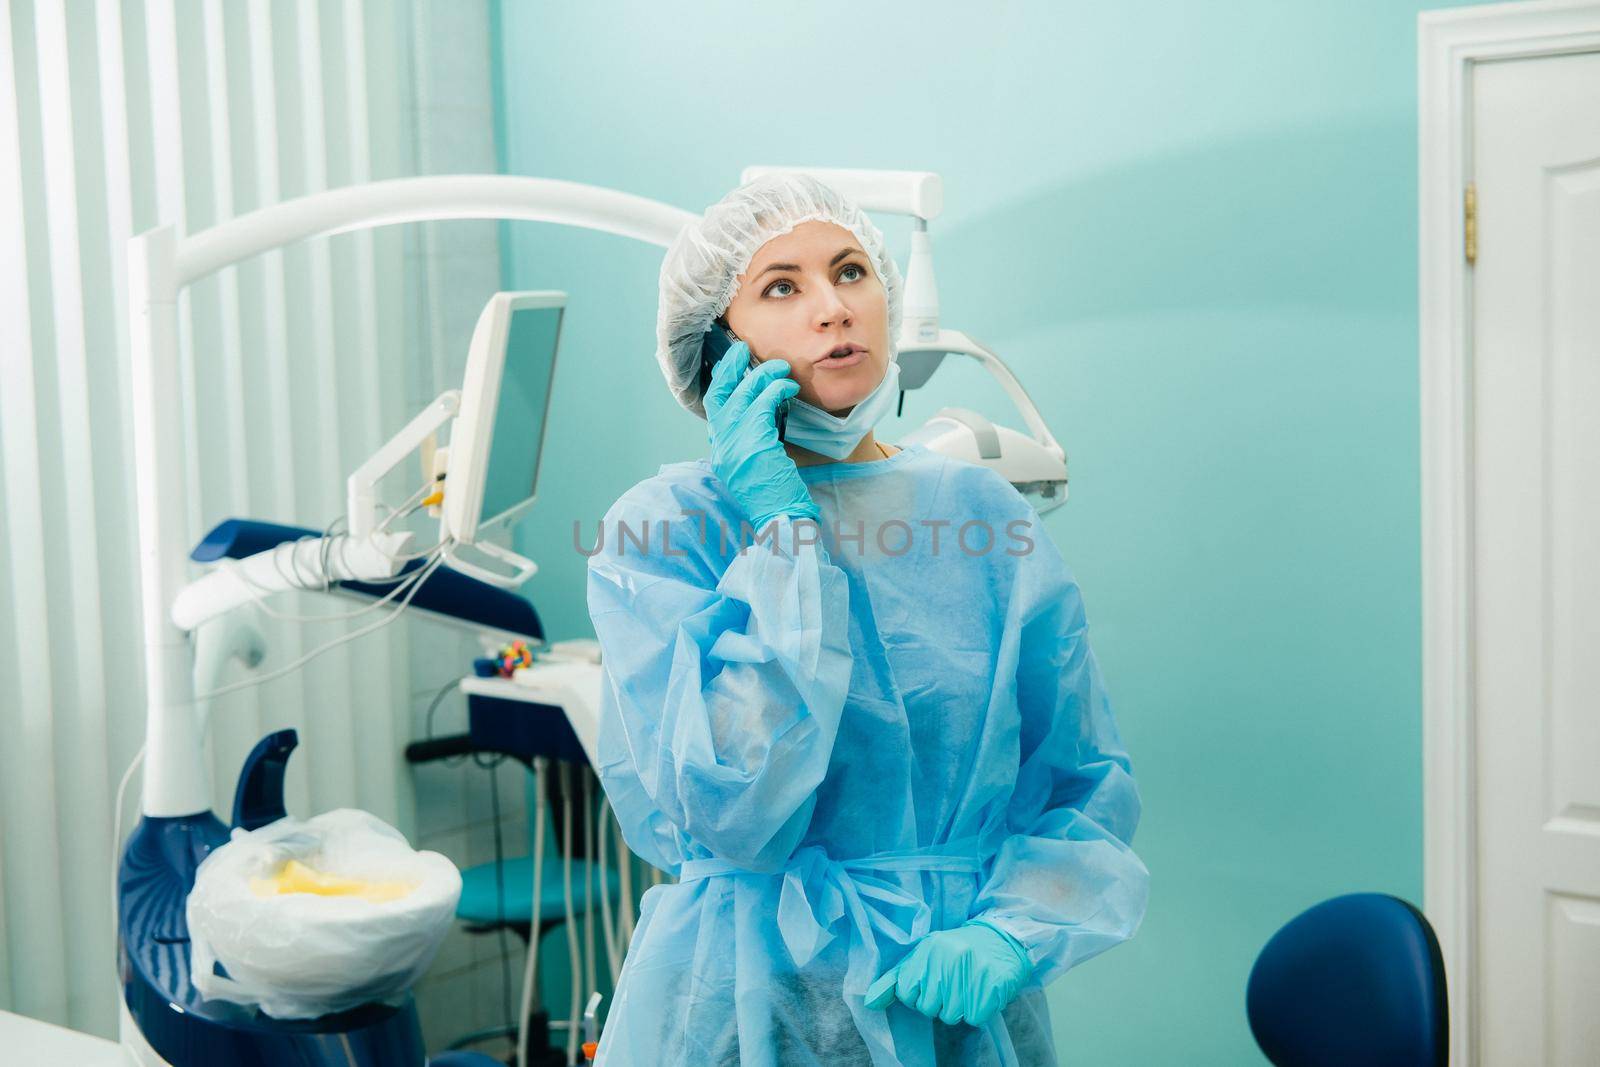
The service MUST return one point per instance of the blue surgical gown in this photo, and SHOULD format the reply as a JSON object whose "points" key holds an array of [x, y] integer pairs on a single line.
{"points": [[840, 738]]}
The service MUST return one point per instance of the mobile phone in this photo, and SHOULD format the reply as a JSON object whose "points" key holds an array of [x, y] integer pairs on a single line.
{"points": [[714, 345]]}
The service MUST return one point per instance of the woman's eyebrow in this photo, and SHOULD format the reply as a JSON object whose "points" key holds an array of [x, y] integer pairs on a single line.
{"points": [[796, 266]]}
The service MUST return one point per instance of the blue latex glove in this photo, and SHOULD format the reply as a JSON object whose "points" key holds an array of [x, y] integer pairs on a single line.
{"points": [[962, 975], [741, 419]]}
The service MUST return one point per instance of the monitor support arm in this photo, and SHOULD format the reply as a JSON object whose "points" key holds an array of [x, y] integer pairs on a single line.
{"points": [[361, 488]]}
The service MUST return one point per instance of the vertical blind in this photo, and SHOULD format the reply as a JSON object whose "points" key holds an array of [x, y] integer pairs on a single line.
{"points": [[117, 115]]}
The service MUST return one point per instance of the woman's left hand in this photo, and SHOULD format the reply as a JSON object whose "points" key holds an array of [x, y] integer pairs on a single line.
{"points": [[741, 413], [962, 975]]}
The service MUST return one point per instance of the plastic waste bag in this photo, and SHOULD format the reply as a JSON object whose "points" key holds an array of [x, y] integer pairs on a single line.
{"points": [[315, 916]]}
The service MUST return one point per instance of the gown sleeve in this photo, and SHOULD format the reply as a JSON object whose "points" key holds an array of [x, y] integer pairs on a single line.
{"points": [[1066, 882], [721, 692]]}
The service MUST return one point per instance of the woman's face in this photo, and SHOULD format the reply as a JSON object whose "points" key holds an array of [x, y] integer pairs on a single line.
{"points": [[804, 295]]}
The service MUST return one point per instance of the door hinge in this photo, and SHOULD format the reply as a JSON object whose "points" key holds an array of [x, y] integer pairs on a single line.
{"points": [[1469, 221]]}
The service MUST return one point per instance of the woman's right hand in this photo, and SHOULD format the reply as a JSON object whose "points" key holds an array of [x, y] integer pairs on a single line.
{"points": [[741, 419]]}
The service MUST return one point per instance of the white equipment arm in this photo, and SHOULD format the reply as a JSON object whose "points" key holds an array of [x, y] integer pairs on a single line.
{"points": [[361, 488], [314, 563], [919, 193], [958, 343]]}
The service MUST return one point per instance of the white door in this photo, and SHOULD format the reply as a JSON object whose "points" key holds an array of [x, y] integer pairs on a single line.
{"points": [[1536, 532]]}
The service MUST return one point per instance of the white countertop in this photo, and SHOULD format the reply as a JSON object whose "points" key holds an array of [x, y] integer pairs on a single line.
{"points": [[39, 1043]]}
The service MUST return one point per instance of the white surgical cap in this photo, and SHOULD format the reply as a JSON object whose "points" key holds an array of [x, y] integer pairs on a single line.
{"points": [[700, 273]]}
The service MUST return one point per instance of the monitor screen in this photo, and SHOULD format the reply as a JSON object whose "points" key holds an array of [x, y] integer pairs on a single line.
{"points": [[519, 417]]}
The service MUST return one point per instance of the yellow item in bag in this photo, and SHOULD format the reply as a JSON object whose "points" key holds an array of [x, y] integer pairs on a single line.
{"points": [[296, 877]]}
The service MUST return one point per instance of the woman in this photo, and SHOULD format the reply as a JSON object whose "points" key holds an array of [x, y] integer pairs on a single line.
{"points": [[869, 738]]}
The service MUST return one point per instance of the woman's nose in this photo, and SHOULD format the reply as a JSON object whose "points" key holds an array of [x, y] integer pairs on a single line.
{"points": [[833, 311]]}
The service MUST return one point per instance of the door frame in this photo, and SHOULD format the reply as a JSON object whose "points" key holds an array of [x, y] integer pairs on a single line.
{"points": [[1448, 44]]}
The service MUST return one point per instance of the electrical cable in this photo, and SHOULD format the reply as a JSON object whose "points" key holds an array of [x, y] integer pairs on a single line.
{"points": [[259, 593], [423, 573]]}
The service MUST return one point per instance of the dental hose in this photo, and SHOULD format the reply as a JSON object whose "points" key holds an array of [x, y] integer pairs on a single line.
{"points": [[590, 978], [574, 958], [530, 974]]}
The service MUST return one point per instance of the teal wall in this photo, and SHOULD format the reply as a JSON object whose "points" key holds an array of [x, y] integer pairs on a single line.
{"points": [[1191, 231]]}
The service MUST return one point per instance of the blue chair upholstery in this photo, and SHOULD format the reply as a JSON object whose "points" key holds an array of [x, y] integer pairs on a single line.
{"points": [[1358, 979], [463, 1059], [480, 895]]}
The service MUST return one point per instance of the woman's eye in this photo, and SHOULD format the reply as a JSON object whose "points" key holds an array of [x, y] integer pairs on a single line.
{"points": [[858, 271]]}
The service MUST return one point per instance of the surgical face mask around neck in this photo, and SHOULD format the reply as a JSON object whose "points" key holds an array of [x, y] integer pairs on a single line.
{"points": [[828, 435]]}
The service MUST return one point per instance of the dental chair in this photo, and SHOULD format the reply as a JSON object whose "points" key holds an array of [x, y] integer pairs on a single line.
{"points": [[1357, 979], [175, 1025]]}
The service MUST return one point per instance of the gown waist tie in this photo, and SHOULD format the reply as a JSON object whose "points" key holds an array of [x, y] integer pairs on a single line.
{"points": [[820, 893]]}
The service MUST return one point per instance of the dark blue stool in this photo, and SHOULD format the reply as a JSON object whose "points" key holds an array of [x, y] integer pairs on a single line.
{"points": [[1358, 979]]}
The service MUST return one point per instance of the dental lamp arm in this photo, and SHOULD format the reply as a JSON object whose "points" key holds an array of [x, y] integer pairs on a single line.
{"points": [[956, 342], [1008, 381], [918, 193]]}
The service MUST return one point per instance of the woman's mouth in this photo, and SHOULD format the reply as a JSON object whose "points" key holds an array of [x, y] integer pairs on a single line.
{"points": [[841, 357]]}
